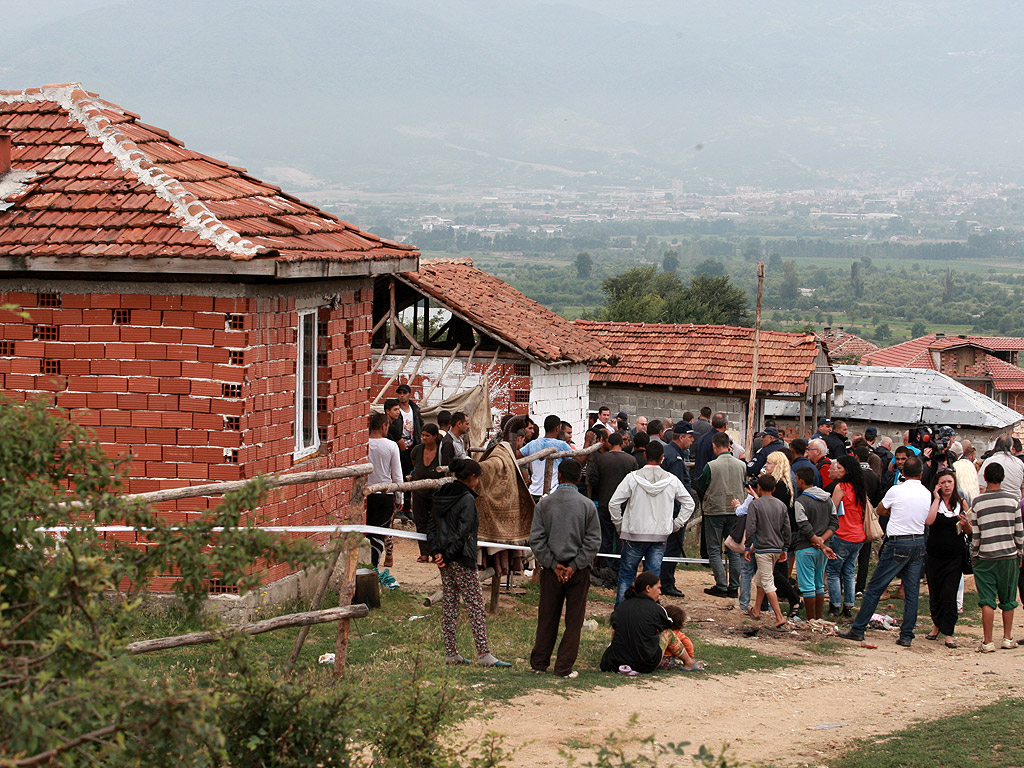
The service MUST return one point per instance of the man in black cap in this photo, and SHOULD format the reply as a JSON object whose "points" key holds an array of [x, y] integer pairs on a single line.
{"points": [[770, 442], [623, 421], [412, 428], [677, 453]]}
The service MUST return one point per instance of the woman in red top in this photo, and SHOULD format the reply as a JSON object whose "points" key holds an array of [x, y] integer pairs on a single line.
{"points": [[850, 499]]}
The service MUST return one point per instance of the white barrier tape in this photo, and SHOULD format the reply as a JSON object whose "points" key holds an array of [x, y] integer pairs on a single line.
{"points": [[377, 531]]}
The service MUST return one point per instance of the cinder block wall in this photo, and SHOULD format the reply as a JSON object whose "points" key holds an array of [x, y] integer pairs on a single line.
{"points": [[197, 388], [662, 404]]}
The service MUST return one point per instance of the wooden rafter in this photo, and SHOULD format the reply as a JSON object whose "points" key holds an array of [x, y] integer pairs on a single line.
{"points": [[443, 372]]}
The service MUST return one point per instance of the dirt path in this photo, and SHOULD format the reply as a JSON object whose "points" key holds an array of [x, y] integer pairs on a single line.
{"points": [[801, 715]]}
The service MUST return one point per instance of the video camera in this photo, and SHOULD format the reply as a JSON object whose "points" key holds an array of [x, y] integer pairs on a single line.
{"points": [[933, 436]]}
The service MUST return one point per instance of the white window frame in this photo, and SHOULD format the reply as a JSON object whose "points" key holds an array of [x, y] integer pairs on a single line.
{"points": [[302, 448]]}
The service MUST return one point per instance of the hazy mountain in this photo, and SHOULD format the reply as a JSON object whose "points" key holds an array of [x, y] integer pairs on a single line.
{"points": [[406, 92]]}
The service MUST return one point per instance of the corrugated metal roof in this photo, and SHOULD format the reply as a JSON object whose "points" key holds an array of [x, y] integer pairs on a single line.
{"points": [[897, 395]]}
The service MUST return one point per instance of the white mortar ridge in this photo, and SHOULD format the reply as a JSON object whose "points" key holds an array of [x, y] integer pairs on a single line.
{"points": [[193, 213], [11, 184]]}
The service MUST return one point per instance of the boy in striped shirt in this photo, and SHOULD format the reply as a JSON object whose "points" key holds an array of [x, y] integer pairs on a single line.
{"points": [[996, 547]]}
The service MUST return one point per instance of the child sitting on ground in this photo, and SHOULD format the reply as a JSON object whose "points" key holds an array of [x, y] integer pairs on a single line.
{"points": [[679, 648]]}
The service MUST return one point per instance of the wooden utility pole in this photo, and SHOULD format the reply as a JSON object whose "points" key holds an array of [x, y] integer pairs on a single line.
{"points": [[753, 372], [348, 578]]}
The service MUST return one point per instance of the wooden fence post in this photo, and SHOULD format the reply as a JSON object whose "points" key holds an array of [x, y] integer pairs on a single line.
{"points": [[348, 577]]}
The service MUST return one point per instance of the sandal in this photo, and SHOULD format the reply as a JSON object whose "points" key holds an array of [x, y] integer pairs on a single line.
{"points": [[951, 644], [627, 670], [423, 559], [931, 637]]}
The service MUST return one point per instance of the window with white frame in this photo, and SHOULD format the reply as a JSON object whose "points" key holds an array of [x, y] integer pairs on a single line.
{"points": [[307, 438]]}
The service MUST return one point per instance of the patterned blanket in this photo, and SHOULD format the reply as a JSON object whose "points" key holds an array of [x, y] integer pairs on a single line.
{"points": [[504, 504]]}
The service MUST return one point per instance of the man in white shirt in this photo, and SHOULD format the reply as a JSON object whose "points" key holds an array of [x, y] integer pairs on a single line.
{"points": [[1013, 468], [383, 454], [908, 506], [552, 427]]}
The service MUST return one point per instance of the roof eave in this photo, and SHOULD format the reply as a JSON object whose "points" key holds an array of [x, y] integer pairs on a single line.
{"points": [[173, 265]]}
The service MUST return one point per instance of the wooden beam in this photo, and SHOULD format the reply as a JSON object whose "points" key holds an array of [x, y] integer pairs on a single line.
{"points": [[347, 589], [393, 377], [257, 628], [383, 354], [380, 322], [469, 362], [405, 332], [217, 489], [443, 372], [754, 371], [391, 314]]}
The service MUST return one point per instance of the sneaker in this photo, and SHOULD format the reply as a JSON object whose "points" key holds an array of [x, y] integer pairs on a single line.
{"points": [[1008, 644], [860, 595], [488, 660], [571, 676], [847, 613], [834, 610], [716, 591], [733, 593], [456, 659], [849, 634], [671, 592], [387, 580], [987, 648]]}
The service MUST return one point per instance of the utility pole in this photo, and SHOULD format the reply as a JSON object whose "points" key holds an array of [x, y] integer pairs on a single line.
{"points": [[753, 372]]}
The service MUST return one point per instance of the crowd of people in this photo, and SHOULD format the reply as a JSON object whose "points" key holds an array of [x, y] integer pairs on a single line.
{"points": [[797, 521]]}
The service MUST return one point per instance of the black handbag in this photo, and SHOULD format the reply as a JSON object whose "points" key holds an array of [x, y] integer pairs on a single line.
{"points": [[967, 566]]}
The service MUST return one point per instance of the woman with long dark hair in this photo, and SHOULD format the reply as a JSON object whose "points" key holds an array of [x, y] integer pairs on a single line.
{"points": [[638, 622], [841, 574], [426, 459], [945, 550], [451, 541]]}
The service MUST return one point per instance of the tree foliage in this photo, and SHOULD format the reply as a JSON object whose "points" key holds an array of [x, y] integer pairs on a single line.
{"points": [[670, 261], [69, 693], [643, 294], [584, 263]]}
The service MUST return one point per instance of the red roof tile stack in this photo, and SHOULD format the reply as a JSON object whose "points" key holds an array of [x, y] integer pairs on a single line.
{"points": [[846, 345], [504, 312], [704, 356], [90, 179]]}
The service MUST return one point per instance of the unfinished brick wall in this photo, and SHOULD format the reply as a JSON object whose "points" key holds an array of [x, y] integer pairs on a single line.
{"points": [[197, 389]]}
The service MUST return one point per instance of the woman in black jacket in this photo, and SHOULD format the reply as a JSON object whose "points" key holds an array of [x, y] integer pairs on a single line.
{"points": [[638, 622], [451, 541], [945, 554]]}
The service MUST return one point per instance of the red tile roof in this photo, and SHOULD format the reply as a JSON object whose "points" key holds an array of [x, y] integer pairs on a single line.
{"points": [[1005, 376], [706, 356], [505, 313], [916, 352], [842, 344], [90, 179]]}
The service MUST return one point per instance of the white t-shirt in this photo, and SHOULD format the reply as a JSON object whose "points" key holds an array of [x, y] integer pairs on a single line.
{"points": [[908, 504], [406, 425], [1013, 469], [387, 464]]}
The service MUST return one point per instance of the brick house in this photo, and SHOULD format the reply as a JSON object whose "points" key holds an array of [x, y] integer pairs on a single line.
{"points": [[987, 364], [666, 369], [846, 347], [449, 326], [200, 320]]}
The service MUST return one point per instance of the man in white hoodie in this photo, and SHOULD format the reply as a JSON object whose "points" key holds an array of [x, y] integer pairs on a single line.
{"points": [[642, 511]]}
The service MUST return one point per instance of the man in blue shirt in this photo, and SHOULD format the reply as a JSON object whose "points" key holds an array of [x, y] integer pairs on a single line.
{"points": [[552, 426]]}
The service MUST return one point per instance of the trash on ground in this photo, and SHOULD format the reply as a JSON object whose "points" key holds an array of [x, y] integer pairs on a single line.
{"points": [[326, 658]]}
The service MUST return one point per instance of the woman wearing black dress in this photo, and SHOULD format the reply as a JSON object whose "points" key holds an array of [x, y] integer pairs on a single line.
{"points": [[426, 458], [945, 555]]}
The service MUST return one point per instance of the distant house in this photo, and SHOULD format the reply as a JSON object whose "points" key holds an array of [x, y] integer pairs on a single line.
{"points": [[199, 320], [986, 364], [665, 369], [846, 347], [895, 399], [449, 326]]}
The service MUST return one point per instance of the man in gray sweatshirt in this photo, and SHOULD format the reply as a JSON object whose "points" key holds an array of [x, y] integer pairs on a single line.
{"points": [[565, 538], [816, 521]]}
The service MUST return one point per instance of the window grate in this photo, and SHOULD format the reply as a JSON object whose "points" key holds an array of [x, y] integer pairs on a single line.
{"points": [[44, 332], [521, 369], [233, 422], [322, 434], [231, 456], [236, 357], [51, 367], [235, 322], [122, 317], [51, 300], [217, 587], [6, 348], [520, 396], [231, 390]]}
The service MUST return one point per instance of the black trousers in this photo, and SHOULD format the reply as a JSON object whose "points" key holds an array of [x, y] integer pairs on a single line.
{"points": [[863, 563], [421, 506], [609, 541], [553, 596], [943, 576], [379, 509], [673, 548], [782, 584]]}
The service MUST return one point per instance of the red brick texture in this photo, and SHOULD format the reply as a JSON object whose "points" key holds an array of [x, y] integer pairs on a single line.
{"points": [[156, 389]]}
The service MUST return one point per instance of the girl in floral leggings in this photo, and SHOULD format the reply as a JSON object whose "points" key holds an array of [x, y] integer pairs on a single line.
{"points": [[451, 540]]}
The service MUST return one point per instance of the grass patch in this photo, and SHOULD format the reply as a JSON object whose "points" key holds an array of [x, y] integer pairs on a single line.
{"points": [[388, 642], [991, 735]]}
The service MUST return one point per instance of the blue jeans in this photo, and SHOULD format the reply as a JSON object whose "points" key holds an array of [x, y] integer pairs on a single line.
{"points": [[841, 573], [716, 528], [651, 552], [746, 576], [903, 557]]}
